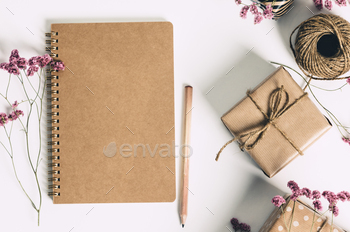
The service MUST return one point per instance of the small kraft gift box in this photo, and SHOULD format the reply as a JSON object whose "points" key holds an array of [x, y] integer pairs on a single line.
{"points": [[298, 218], [275, 122]]}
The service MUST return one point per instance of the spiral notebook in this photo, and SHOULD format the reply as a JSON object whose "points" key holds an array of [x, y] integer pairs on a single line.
{"points": [[112, 113]]}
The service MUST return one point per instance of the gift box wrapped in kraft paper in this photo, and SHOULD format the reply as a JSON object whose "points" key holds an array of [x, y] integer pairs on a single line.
{"points": [[275, 122], [302, 219]]}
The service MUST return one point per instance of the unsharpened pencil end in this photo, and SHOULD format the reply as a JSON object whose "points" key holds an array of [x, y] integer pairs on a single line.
{"points": [[183, 225]]}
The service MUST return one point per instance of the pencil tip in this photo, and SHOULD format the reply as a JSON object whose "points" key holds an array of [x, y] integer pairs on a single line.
{"points": [[183, 225]]}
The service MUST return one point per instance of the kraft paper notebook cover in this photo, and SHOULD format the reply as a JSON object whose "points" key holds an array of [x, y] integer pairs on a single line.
{"points": [[113, 113]]}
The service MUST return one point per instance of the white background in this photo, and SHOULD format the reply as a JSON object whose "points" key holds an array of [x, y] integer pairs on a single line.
{"points": [[209, 39]]}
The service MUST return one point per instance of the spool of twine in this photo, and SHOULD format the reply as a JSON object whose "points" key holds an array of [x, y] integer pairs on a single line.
{"points": [[322, 47]]}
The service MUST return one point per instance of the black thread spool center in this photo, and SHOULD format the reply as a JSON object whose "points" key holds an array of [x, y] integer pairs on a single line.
{"points": [[328, 45]]}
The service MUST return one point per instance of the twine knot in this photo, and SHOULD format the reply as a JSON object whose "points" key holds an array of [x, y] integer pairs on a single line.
{"points": [[277, 107]]}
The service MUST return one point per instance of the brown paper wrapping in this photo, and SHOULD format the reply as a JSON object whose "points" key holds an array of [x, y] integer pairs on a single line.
{"points": [[303, 123], [302, 219]]}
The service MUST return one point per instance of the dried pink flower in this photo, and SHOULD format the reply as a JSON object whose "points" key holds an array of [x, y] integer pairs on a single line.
{"points": [[306, 192], [238, 2], [254, 9], [346, 140], [235, 223], [328, 4], [22, 63], [278, 200], [341, 196], [31, 70], [15, 115], [347, 194], [325, 194], [243, 12], [318, 4], [348, 80], [33, 61], [4, 66], [334, 209], [317, 205], [295, 195], [293, 186], [12, 69], [244, 227], [268, 14], [340, 2], [3, 119], [331, 197], [316, 195], [14, 56], [57, 65], [44, 60], [15, 105], [258, 18]]}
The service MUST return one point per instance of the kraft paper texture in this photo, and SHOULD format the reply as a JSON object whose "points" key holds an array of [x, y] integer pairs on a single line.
{"points": [[303, 123], [117, 89]]}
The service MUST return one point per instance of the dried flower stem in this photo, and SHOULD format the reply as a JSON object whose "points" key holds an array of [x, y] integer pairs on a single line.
{"points": [[284, 217], [39, 110], [8, 85], [291, 221], [313, 220], [14, 167]]}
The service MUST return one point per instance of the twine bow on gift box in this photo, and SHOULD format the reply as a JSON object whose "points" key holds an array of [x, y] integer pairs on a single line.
{"points": [[276, 110]]}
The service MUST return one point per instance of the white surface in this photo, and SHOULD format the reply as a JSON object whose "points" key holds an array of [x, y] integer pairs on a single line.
{"points": [[209, 38]]}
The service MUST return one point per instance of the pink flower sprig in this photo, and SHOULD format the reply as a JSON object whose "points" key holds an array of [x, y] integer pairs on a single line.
{"points": [[278, 201], [20, 66], [3, 119], [332, 198], [346, 140], [317, 205], [57, 66], [255, 11], [328, 4], [14, 115], [316, 195], [17, 63]]}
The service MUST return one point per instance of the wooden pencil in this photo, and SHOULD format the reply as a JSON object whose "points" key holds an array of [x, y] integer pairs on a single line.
{"points": [[185, 151]]}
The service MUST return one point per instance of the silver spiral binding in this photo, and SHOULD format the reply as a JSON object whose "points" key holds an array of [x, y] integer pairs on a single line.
{"points": [[53, 172], [53, 121], [53, 106], [53, 143], [54, 157], [53, 136], [54, 179], [56, 165], [51, 48], [55, 194], [51, 41], [53, 114], [52, 33], [52, 85], [54, 186], [52, 92], [51, 99]]}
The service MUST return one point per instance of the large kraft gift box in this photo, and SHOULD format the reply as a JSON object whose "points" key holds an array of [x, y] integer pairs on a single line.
{"points": [[276, 122], [302, 219]]}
